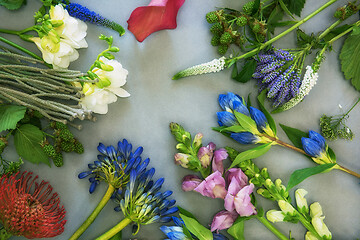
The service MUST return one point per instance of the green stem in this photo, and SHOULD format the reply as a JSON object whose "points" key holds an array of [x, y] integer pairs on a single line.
{"points": [[273, 229], [329, 29], [357, 24], [347, 113], [94, 214], [348, 171], [264, 45], [22, 49], [117, 228], [308, 226]]}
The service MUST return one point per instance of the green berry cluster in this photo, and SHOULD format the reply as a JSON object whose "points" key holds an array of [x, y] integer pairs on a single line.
{"points": [[346, 11]]}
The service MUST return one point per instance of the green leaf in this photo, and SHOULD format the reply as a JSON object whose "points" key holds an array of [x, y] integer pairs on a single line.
{"points": [[10, 115], [261, 99], [275, 16], [251, 153], [186, 213], [117, 236], [300, 175], [246, 122], [284, 23], [295, 6], [294, 135], [196, 228], [237, 230], [234, 128], [256, 7], [12, 4], [27, 140], [247, 71], [284, 7], [349, 58]]}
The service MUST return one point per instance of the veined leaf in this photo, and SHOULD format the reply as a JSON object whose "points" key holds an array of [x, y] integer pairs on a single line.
{"points": [[261, 99], [251, 153], [294, 135], [12, 4], [246, 73], [235, 129], [246, 122], [10, 115], [275, 16], [237, 230], [196, 228], [284, 7], [300, 175], [27, 140], [349, 57], [295, 6]]}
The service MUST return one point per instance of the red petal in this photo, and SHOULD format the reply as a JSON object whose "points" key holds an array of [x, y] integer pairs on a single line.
{"points": [[158, 15]]}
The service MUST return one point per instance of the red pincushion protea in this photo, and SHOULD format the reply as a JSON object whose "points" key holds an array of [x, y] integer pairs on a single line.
{"points": [[28, 209]]}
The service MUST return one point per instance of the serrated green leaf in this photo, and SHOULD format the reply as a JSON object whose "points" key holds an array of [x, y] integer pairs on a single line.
{"points": [[300, 175], [261, 99], [275, 16], [256, 7], [294, 135], [349, 58], [295, 6], [10, 115], [27, 140], [285, 8], [12, 4], [196, 228], [247, 71], [246, 122], [251, 154]]}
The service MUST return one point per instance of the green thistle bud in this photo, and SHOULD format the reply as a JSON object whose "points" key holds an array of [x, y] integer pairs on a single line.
{"points": [[241, 21], [248, 7], [222, 49], [215, 40], [49, 150], [339, 14], [226, 38], [212, 17], [67, 146], [58, 160], [217, 28], [78, 147]]}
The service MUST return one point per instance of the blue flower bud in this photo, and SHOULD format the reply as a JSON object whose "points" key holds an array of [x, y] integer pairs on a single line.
{"points": [[317, 138], [232, 102], [259, 117], [245, 137], [311, 147], [226, 119]]}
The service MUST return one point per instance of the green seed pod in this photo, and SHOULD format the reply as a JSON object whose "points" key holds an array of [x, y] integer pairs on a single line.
{"points": [[66, 135], [215, 40], [248, 7], [256, 28], [212, 17], [58, 160], [49, 150], [241, 21], [67, 146], [78, 147], [226, 38], [222, 49], [217, 28]]}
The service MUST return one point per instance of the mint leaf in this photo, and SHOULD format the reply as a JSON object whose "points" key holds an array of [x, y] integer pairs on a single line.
{"points": [[294, 135], [246, 73], [261, 99], [27, 140], [251, 153], [295, 6], [12, 4], [300, 175], [10, 115], [349, 58], [201, 232]]}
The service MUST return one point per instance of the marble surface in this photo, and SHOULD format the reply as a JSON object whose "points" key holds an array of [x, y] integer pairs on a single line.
{"points": [[156, 101]]}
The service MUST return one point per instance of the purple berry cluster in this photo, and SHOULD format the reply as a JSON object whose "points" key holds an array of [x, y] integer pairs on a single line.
{"points": [[277, 74]]}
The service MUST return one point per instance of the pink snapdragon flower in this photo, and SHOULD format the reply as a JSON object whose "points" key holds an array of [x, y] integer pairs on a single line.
{"points": [[213, 186], [205, 154], [219, 156], [223, 220], [190, 182], [158, 15]]}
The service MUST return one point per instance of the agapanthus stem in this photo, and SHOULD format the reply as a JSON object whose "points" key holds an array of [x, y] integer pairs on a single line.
{"points": [[295, 26], [117, 228], [273, 229], [94, 214], [23, 50]]}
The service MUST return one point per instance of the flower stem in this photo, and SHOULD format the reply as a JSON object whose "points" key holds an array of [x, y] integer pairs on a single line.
{"points": [[273, 229], [22, 49], [344, 32], [94, 214], [264, 45], [348, 171], [308, 226], [117, 228]]}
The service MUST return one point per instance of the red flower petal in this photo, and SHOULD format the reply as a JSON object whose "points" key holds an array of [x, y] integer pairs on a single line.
{"points": [[158, 15]]}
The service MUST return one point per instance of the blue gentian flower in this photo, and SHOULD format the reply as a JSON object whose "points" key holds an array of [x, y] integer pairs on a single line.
{"points": [[245, 137], [259, 118], [226, 119], [113, 165], [317, 137], [315, 145], [177, 233], [231, 102], [141, 201], [83, 13]]}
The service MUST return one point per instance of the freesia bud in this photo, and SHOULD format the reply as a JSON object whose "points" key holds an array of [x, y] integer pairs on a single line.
{"points": [[190, 182], [49, 45], [301, 200], [107, 67], [223, 220], [286, 207], [88, 88], [103, 82], [275, 216], [320, 227], [181, 159]]}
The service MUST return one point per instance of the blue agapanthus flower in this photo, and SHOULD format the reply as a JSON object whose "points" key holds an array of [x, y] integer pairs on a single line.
{"points": [[177, 233], [141, 201], [277, 71], [83, 13], [113, 165]]}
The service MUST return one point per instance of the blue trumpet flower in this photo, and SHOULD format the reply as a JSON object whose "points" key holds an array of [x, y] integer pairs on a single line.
{"points": [[245, 137], [316, 147], [113, 165], [142, 202], [231, 102], [259, 118]]}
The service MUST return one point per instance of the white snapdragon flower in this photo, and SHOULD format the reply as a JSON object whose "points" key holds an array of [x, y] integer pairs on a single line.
{"points": [[97, 99], [60, 50]]}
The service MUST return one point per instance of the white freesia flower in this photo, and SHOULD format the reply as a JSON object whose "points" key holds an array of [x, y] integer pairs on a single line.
{"points": [[59, 59], [98, 100], [73, 31]]}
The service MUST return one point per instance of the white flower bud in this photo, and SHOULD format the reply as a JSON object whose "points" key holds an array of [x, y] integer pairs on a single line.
{"points": [[320, 227], [286, 207], [275, 216], [301, 200], [310, 236], [315, 210]]}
